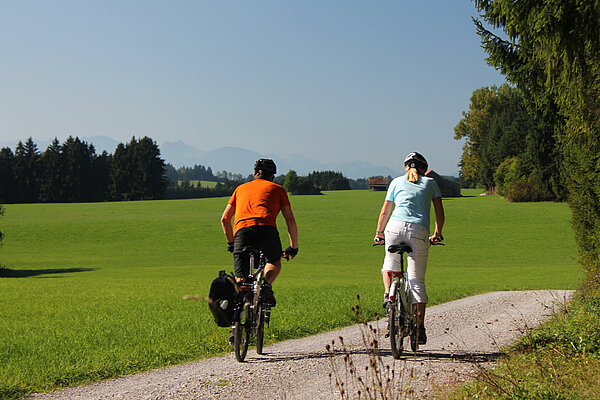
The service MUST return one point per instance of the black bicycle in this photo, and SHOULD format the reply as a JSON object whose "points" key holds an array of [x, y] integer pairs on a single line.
{"points": [[250, 314]]}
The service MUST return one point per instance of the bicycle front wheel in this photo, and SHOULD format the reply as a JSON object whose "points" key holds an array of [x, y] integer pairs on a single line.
{"points": [[243, 330], [396, 322]]}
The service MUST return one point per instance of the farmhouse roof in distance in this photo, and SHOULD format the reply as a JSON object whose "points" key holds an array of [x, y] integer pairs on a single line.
{"points": [[447, 187], [378, 183]]}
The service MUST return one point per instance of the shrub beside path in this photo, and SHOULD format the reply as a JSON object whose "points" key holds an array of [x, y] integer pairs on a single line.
{"points": [[463, 336]]}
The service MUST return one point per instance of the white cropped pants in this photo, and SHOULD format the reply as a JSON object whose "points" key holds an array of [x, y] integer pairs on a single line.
{"points": [[417, 237]]}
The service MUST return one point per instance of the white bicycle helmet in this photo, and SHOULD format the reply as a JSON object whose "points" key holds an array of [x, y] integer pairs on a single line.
{"points": [[415, 160]]}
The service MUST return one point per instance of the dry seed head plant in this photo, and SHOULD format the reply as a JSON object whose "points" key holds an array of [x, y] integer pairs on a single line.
{"points": [[352, 378]]}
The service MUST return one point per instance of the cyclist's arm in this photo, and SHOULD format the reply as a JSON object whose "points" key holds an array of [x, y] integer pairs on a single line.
{"points": [[439, 216], [384, 216], [226, 222], [292, 228]]}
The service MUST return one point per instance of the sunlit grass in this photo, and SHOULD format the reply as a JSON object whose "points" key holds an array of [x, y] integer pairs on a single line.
{"points": [[95, 290]]}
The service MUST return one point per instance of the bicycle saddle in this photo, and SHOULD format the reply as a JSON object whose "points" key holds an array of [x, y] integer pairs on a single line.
{"points": [[400, 248], [250, 250]]}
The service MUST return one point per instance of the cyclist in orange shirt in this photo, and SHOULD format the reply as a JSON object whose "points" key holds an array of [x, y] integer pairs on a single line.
{"points": [[256, 205]]}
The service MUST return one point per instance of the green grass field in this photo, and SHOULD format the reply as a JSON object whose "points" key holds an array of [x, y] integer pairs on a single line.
{"points": [[96, 290]]}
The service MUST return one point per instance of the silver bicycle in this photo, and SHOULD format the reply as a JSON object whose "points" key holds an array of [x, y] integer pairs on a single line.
{"points": [[402, 319]]}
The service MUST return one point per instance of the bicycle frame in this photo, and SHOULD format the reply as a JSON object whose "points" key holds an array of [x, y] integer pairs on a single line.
{"points": [[252, 284], [401, 316], [249, 307], [404, 288]]}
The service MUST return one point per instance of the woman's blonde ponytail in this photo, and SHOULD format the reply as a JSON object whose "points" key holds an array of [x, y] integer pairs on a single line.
{"points": [[415, 165], [412, 175]]}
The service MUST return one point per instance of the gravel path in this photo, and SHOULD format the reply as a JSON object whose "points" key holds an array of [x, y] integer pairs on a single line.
{"points": [[463, 335]]}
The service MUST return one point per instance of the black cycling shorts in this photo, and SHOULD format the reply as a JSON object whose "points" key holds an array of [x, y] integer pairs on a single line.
{"points": [[262, 237]]}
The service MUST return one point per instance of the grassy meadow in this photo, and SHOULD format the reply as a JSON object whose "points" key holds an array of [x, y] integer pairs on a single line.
{"points": [[91, 291]]}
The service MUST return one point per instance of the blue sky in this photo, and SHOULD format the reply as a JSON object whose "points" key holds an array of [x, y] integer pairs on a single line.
{"points": [[332, 80]]}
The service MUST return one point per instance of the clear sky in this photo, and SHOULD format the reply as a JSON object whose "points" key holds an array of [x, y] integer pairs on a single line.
{"points": [[332, 80]]}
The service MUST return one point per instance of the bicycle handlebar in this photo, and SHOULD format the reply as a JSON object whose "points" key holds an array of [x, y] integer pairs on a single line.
{"points": [[432, 242]]}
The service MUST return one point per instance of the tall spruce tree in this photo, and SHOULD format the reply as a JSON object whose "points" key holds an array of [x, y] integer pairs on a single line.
{"points": [[137, 171], [78, 183], [8, 184], [52, 165], [27, 171]]}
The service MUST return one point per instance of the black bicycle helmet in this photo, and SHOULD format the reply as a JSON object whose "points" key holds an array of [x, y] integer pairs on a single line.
{"points": [[265, 166], [415, 160]]}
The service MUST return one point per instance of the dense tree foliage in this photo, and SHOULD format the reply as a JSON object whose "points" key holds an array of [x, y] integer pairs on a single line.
{"points": [[315, 182], [506, 144], [299, 185], [329, 180], [1, 214], [551, 52], [195, 173], [291, 181], [73, 172]]}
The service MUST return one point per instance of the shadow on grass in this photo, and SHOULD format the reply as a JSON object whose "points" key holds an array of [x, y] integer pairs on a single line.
{"points": [[27, 273]]}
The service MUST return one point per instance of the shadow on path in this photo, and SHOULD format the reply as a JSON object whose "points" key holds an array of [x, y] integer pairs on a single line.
{"points": [[26, 273], [406, 356]]}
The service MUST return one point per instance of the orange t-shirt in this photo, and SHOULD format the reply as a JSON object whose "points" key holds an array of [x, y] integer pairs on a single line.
{"points": [[258, 202]]}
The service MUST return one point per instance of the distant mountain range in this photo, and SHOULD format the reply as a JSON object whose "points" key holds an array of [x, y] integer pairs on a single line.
{"points": [[233, 159], [238, 160]]}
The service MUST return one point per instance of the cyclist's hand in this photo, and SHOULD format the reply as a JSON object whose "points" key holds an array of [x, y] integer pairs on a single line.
{"points": [[230, 247], [379, 241], [436, 239], [289, 253]]}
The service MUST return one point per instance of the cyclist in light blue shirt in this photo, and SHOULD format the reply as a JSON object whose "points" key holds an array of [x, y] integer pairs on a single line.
{"points": [[405, 216], [412, 200]]}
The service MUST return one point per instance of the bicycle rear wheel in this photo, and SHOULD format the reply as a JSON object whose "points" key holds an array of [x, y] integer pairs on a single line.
{"points": [[260, 329], [396, 322], [243, 329], [414, 340]]}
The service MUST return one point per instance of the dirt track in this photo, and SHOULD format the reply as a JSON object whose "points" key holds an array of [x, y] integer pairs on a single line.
{"points": [[463, 336]]}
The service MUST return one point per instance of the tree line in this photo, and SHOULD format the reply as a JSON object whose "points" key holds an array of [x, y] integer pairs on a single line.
{"points": [[200, 173], [550, 52], [315, 182], [73, 172], [184, 182], [509, 146]]}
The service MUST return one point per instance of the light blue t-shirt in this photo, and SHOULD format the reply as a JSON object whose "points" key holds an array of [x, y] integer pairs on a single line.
{"points": [[412, 200]]}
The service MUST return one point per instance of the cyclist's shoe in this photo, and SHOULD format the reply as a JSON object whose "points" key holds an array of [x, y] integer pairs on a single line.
{"points": [[232, 336], [244, 284], [422, 335], [386, 300], [267, 295]]}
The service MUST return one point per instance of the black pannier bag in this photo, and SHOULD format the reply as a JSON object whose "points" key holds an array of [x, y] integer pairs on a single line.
{"points": [[221, 299]]}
